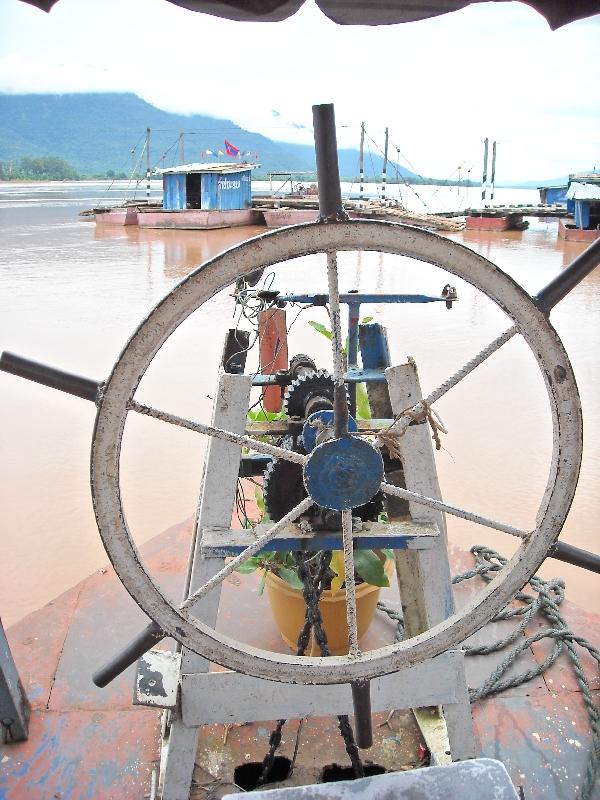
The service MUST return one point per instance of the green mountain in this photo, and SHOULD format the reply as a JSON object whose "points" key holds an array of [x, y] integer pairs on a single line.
{"points": [[100, 132]]}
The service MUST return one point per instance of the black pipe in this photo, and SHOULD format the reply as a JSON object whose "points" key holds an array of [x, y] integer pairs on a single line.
{"points": [[49, 376], [575, 555], [136, 648], [363, 724], [577, 270], [328, 173]]}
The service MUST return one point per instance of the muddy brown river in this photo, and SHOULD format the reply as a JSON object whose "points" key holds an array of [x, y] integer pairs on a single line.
{"points": [[71, 294]]}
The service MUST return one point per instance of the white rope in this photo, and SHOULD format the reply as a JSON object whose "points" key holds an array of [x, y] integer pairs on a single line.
{"points": [[255, 547], [218, 433], [336, 321], [405, 494], [354, 650], [421, 408]]}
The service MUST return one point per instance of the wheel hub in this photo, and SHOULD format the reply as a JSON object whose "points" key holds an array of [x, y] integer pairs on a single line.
{"points": [[343, 473]]}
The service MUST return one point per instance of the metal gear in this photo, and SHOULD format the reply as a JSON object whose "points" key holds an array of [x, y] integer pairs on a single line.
{"points": [[283, 488], [312, 391], [283, 483]]}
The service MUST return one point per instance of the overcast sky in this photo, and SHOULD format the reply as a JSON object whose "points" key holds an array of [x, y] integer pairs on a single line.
{"points": [[441, 85]]}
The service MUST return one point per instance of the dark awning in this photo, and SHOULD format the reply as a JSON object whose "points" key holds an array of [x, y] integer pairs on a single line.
{"points": [[366, 12]]}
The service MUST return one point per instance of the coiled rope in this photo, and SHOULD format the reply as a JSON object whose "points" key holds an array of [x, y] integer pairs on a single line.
{"points": [[550, 595]]}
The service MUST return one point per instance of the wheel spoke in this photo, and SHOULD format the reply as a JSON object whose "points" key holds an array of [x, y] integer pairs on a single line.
{"points": [[218, 433], [250, 551], [340, 402], [405, 494], [404, 420], [350, 582]]}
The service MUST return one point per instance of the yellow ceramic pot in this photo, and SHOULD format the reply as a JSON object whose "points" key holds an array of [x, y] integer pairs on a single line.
{"points": [[288, 607]]}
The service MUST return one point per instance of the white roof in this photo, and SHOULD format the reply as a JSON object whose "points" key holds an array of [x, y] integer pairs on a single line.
{"points": [[583, 191], [197, 167]]}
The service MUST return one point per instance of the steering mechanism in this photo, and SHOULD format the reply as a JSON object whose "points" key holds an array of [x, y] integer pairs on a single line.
{"points": [[331, 470]]}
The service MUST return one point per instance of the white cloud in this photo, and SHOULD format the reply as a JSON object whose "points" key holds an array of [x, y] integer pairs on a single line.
{"points": [[440, 85]]}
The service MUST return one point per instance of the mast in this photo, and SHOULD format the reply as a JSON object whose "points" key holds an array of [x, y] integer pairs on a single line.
{"points": [[385, 162], [361, 164], [147, 164], [182, 147], [485, 162], [493, 169]]}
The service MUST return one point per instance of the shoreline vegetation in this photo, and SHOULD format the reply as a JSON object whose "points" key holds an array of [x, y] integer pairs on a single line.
{"points": [[53, 168]]}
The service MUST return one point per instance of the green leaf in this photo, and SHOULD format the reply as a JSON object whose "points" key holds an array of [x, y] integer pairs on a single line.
{"points": [[388, 553], [370, 568], [363, 409], [290, 577], [246, 567], [261, 585], [365, 320], [321, 329]]}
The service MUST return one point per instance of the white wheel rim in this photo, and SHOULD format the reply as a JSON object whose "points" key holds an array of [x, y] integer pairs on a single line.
{"points": [[277, 247]]}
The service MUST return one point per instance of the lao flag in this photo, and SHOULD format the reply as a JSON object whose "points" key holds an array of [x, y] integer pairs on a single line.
{"points": [[231, 149]]}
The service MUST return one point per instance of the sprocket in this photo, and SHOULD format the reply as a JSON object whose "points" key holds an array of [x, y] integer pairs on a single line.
{"points": [[312, 391]]}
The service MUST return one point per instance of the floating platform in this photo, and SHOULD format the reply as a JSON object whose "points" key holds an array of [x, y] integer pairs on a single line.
{"points": [[197, 219], [87, 742], [495, 221], [572, 233]]}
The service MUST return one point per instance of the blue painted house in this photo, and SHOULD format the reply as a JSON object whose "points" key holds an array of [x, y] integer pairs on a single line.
{"points": [[553, 195], [209, 187]]}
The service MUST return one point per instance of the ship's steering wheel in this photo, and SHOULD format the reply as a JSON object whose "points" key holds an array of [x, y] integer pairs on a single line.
{"points": [[282, 247]]}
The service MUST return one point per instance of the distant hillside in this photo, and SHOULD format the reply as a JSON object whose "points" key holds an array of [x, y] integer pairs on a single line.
{"points": [[542, 182], [97, 132]]}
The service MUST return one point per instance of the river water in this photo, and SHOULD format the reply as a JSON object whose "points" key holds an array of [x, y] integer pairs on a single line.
{"points": [[71, 294]]}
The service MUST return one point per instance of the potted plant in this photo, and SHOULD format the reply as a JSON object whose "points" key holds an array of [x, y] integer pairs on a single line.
{"points": [[284, 592], [280, 573]]}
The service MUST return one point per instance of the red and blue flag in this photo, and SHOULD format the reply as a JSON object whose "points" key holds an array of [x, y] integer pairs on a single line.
{"points": [[231, 149]]}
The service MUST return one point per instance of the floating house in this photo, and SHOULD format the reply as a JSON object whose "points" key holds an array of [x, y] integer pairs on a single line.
{"points": [[195, 196], [553, 195], [585, 199], [203, 196]]}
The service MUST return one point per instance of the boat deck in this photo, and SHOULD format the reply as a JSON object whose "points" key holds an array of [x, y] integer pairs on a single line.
{"points": [[91, 743]]}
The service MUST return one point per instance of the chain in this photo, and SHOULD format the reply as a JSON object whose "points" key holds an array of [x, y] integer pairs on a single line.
{"points": [[312, 590]]}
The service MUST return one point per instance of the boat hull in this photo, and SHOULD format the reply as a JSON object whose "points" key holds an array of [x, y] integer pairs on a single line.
{"points": [[573, 234], [198, 219], [117, 216], [497, 222], [278, 217]]}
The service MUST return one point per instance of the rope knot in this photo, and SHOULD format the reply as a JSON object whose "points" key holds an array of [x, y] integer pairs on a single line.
{"points": [[418, 414]]}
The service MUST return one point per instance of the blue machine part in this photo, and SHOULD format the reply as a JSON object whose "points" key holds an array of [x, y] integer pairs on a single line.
{"points": [[343, 473], [309, 432]]}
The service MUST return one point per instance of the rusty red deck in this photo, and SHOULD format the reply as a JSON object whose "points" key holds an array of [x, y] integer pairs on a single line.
{"points": [[91, 743]]}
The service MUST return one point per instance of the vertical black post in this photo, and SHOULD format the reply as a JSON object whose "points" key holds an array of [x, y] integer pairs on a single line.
{"points": [[14, 706], [363, 725], [577, 270], [328, 173]]}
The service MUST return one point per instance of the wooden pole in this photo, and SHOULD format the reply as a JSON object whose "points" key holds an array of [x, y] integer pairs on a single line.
{"points": [[182, 147], [361, 164], [273, 353], [385, 163], [485, 163], [147, 164], [493, 168]]}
